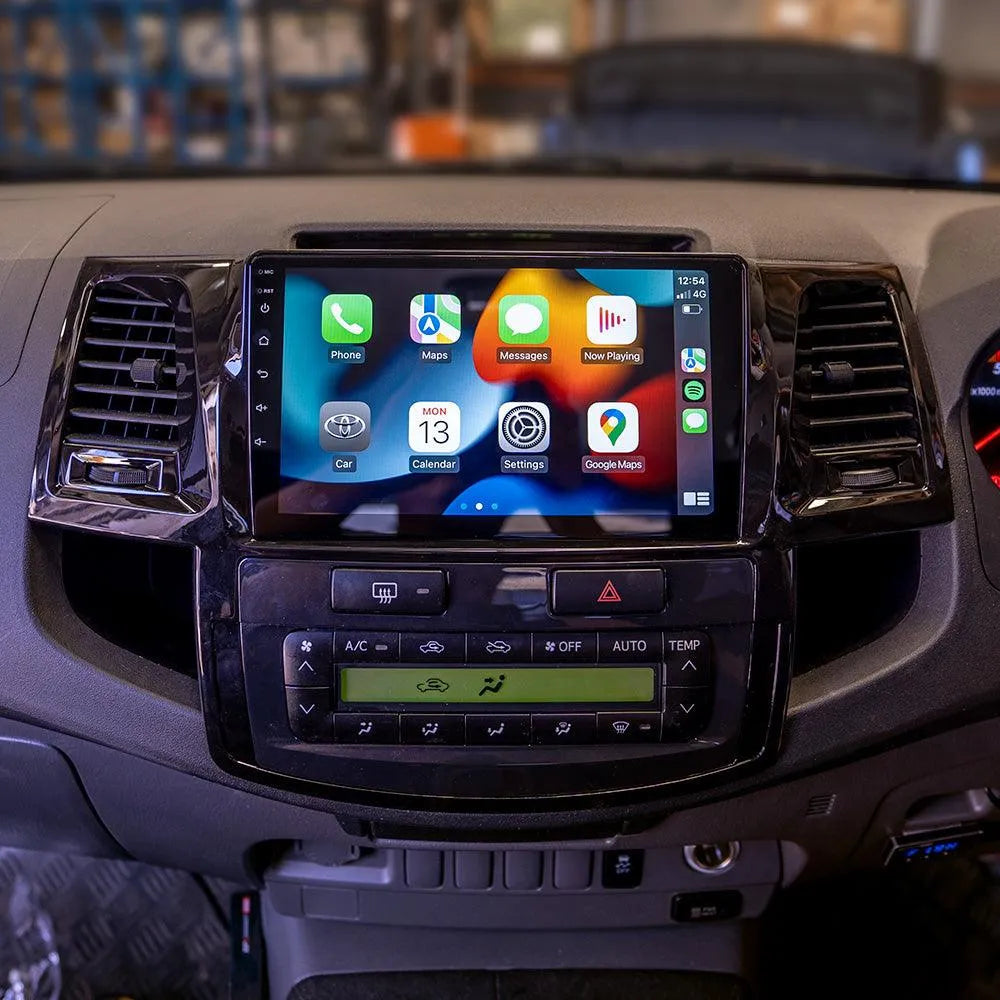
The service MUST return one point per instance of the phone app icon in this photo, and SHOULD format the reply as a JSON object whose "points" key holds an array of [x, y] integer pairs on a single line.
{"points": [[435, 428], [694, 360], [693, 390], [612, 427], [435, 319], [695, 421], [612, 320], [523, 428], [345, 426], [524, 319], [347, 319]]}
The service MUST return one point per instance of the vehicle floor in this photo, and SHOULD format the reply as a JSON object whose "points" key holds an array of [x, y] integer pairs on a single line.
{"points": [[120, 928], [929, 931], [587, 984]]}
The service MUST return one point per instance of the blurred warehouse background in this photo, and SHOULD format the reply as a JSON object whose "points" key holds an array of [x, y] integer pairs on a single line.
{"points": [[899, 87]]}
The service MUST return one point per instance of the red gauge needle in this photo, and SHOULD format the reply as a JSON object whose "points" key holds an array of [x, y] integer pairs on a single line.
{"points": [[983, 442]]}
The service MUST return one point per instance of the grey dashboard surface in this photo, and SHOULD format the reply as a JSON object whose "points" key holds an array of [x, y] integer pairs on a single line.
{"points": [[58, 675], [34, 228]]}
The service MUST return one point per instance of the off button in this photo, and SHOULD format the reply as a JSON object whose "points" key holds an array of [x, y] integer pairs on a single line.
{"points": [[607, 592]]}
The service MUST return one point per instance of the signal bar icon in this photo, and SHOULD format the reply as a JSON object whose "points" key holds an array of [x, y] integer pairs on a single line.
{"points": [[612, 320]]}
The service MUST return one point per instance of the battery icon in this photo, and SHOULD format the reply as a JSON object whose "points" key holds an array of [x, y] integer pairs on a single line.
{"points": [[691, 309]]}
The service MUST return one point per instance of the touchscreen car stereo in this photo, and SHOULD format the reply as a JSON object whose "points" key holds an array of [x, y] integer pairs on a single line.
{"points": [[495, 395]]}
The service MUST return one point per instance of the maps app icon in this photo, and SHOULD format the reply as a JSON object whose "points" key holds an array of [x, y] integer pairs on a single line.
{"points": [[694, 360], [435, 319]]}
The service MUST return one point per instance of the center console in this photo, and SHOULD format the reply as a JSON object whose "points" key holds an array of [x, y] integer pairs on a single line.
{"points": [[524, 462], [497, 530]]}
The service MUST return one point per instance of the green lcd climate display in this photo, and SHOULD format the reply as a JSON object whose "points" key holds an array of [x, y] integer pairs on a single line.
{"points": [[513, 686]]}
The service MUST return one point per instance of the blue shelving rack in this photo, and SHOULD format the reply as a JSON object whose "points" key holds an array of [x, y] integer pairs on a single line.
{"points": [[94, 64], [366, 85]]}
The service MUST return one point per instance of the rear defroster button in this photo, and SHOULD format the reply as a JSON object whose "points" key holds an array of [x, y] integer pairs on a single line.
{"points": [[393, 592]]}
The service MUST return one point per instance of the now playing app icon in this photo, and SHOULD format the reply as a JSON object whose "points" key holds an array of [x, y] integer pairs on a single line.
{"points": [[611, 320]]}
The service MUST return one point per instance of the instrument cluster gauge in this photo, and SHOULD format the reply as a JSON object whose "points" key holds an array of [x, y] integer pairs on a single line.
{"points": [[984, 413]]}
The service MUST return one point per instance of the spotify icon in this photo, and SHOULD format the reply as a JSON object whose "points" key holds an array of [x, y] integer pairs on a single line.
{"points": [[694, 390]]}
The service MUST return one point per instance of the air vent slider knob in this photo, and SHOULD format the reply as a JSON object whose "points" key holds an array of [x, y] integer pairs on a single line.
{"points": [[838, 374], [146, 371]]}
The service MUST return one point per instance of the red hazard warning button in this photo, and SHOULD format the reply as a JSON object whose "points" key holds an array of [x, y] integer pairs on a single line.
{"points": [[607, 592]]}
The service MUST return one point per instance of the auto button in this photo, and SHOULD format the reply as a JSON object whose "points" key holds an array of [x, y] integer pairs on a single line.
{"points": [[631, 647]]}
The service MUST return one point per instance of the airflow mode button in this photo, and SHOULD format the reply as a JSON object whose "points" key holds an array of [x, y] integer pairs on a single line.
{"points": [[607, 592]]}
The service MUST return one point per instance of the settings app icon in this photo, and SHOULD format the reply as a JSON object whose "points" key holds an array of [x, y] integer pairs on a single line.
{"points": [[523, 428]]}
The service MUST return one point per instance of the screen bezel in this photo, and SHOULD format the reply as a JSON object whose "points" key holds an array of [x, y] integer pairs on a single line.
{"points": [[728, 283]]}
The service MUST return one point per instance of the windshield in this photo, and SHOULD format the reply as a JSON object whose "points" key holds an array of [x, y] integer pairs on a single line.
{"points": [[905, 90]]}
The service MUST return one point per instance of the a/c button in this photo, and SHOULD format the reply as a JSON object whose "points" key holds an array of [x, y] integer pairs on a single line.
{"points": [[607, 592]]}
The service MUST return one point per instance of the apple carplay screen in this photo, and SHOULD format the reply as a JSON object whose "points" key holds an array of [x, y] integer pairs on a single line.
{"points": [[495, 395]]}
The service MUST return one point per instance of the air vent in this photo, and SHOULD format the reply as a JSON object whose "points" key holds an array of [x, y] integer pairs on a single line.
{"points": [[133, 379], [821, 805], [853, 389]]}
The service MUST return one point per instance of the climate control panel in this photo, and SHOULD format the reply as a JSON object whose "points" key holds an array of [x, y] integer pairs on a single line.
{"points": [[475, 679], [496, 688]]}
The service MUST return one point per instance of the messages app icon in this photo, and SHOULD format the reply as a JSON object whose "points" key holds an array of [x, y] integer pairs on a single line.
{"points": [[347, 319], [524, 319]]}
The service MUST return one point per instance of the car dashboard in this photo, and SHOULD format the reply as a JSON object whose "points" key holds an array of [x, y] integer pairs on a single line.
{"points": [[584, 552]]}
